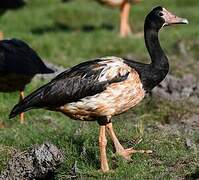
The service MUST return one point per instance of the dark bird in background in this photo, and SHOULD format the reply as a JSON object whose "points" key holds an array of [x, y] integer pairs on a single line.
{"points": [[125, 6], [105, 87], [65, 1], [10, 5], [18, 65]]}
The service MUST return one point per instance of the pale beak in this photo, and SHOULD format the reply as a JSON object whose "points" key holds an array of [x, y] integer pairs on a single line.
{"points": [[172, 19]]}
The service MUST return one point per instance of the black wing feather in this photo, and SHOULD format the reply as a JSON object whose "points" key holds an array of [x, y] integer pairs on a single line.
{"points": [[70, 86]]}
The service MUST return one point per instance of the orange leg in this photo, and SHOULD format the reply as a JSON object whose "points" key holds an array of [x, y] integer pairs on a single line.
{"points": [[126, 153], [21, 97], [125, 29], [102, 146], [1, 35]]}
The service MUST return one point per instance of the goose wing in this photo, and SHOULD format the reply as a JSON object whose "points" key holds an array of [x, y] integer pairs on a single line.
{"points": [[85, 79]]}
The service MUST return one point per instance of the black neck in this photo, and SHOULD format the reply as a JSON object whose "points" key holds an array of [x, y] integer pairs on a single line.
{"points": [[158, 57], [158, 69], [152, 74]]}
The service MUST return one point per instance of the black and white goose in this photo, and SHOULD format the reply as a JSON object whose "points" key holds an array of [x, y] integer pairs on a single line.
{"points": [[102, 88], [19, 63]]}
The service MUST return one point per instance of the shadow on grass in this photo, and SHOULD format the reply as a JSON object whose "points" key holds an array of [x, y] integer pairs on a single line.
{"points": [[59, 27]]}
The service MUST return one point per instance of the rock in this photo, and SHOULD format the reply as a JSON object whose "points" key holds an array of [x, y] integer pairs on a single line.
{"points": [[74, 170], [160, 92], [196, 90], [173, 84], [173, 88], [186, 92], [191, 121], [194, 100], [188, 143], [188, 80], [36, 163]]}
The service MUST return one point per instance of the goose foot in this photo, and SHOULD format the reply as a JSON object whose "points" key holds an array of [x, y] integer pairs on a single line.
{"points": [[127, 153]]}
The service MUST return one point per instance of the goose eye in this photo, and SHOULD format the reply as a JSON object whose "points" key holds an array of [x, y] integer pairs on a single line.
{"points": [[160, 14]]}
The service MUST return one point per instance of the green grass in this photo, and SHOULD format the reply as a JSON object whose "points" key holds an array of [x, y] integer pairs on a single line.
{"points": [[67, 34]]}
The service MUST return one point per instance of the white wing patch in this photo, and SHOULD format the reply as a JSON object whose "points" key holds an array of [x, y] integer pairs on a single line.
{"points": [[113, 67]]}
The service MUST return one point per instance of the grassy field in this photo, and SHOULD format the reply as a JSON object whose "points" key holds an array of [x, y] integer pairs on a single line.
{"points": [[66, 34]]}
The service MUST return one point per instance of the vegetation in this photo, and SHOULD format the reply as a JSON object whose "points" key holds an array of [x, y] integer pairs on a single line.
{"points": [[67, 34]]}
